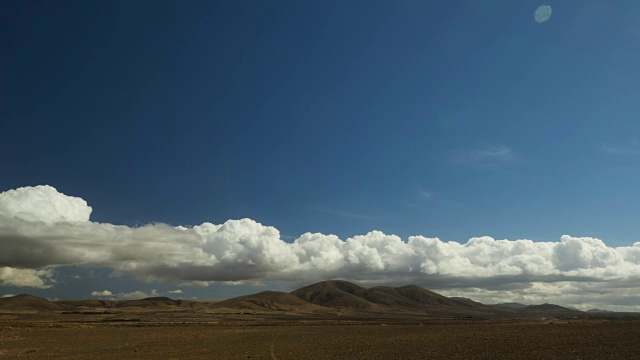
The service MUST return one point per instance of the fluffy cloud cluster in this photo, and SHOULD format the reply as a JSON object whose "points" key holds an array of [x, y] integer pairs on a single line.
{"points": [[134, 295], [101, 293], [26, 277], [43, 203], [41, 229]]}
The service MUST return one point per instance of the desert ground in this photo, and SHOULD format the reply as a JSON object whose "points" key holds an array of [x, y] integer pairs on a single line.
{"points": [[250, 336], [327, 320]]}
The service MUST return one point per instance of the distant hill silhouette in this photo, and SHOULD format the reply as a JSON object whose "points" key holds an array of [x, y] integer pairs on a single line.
{"points": [[150, 302], [467, 301], [271, 301], [341, 294], [598, 311], [513, 305], [338, 294], [29, 303], [548, 310], [336, 297]]}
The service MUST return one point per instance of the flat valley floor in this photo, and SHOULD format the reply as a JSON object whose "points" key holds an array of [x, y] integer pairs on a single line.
{"points": [[239, 336]]}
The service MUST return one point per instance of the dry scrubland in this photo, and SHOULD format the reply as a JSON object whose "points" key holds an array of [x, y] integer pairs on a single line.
{"points": [[294, 337]]}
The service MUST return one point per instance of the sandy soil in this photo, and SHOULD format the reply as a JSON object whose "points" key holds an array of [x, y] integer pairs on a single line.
{"points": [[153, 336]]}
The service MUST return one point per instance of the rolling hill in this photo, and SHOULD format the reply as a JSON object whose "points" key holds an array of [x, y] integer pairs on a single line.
{"points": [[338, 294], [29, 303], [548, 310], [341, 294], [271, 301], [326, 297]]}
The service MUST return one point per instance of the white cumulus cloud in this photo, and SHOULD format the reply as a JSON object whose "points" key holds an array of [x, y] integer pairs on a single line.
{"points": [[101, 293], [245, 252], [43, 203], [34, 278], [136, 295]]}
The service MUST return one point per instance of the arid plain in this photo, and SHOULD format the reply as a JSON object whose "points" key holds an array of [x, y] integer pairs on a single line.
{"points": [[328, 320]]}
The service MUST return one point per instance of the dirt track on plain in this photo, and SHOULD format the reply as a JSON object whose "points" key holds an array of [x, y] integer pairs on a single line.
{"points": [[315, 339]]}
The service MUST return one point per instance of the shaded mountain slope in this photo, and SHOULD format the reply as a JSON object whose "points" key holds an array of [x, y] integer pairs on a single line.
{"points": [[513, 305], [89, 304], [548, 310], [467, 301], [335, 297], [338, 294], [270, 301], [152, 302], [29, 303]]}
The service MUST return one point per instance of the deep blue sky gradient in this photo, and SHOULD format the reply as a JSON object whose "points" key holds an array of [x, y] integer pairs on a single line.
{"points": [[331, 116]]}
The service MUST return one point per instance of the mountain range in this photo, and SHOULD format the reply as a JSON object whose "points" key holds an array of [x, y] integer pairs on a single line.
{"points": [[334, 297]]}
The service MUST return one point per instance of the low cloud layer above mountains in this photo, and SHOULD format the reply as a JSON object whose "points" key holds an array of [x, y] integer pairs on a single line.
{"points": [[42, 230]]}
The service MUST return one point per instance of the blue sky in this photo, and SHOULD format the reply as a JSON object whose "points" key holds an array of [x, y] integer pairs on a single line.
{"points": [[448, 119]]}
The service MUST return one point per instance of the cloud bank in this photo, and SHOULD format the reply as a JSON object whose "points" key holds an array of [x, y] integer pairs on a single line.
{"points": [[134, 295], [101, 293], [42, 229]]}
